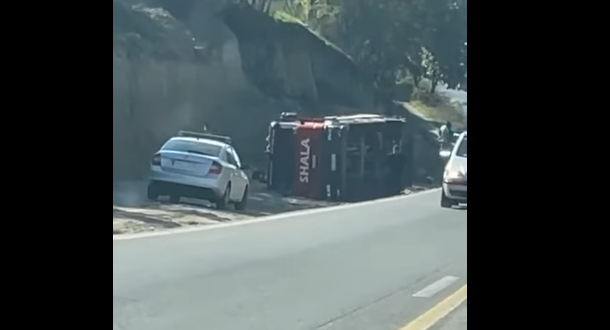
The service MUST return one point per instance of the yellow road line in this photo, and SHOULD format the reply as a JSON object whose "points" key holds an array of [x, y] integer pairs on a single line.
{"points": [[436, 313]]}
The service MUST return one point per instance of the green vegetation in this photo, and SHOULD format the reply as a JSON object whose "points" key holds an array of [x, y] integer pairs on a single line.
{"points": [[286, 17], [437, 108], [392, 38], [410, 40]]}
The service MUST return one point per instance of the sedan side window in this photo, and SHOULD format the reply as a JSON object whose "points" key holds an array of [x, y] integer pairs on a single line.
{"points": [[236, 157], [231, 158], [223, 156]]}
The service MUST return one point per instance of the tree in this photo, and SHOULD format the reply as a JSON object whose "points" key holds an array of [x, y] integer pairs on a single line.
{"points": [[445, 31], [383, 36], [391, 38], [432, 69], [426, 38], [318, 15], [261, 5]]}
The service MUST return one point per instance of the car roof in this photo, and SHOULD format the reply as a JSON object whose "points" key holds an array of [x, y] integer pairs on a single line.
{"points": [[200, 140]]}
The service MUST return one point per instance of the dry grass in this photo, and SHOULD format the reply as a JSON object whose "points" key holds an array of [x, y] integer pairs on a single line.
{"points": [[437, 108]]}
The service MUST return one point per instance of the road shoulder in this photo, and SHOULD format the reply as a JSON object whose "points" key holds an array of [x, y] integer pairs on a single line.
{"points": [[133, 214], [434, 316]]}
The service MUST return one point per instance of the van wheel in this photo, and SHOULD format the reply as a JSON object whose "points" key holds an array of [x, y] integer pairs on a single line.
{"points": [[446, 202], [241, 205], [222, 202]]}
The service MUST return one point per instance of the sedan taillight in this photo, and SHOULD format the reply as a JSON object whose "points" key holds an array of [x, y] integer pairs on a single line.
{"points": [[216, 168], [156, 160]]}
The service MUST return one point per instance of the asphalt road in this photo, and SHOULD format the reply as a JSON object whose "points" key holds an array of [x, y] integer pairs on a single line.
{"points": [[457, 320], [353, 268]]}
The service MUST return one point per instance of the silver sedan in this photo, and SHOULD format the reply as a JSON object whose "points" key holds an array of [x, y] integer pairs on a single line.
{"points": [[198, 167]]}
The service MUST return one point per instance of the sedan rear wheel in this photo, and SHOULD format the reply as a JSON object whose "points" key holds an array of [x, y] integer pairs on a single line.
{"points": [[241, 205], [223, 201]]}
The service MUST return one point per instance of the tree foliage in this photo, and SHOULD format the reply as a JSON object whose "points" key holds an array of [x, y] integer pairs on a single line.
{"points": [[262, 5], [395, 38], [426, 38], [392, 39], [317, 14]]}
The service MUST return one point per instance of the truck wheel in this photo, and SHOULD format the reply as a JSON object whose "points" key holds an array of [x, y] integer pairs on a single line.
{"points": [[175, 199]]}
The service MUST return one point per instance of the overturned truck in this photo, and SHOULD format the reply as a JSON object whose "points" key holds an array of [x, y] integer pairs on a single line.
{"points": [[339, 158]]}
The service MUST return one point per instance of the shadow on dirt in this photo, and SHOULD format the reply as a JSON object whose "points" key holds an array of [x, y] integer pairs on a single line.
{"points": [[260, 203], [189, 208], [153, 219]]}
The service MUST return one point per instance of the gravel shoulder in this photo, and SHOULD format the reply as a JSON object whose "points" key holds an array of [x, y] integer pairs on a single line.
{"points": [[132, 213]]}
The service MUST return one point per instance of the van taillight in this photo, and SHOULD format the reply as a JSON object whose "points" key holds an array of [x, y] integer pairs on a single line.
{"points": [[156, 160], [216, 168]]}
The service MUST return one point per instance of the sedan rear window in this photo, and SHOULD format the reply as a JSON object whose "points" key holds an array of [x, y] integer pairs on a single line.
{"points": [[198, 147]]}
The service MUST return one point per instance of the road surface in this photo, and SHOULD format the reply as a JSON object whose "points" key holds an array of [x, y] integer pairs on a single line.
{"points": [[374, 266], [457, 320]]}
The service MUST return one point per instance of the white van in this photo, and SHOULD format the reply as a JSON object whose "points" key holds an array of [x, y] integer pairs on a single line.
{"points": [[455, 178]]}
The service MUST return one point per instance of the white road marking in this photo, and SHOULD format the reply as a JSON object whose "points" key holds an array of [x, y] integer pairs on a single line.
{"points": [[436, 287], [271, 217]]}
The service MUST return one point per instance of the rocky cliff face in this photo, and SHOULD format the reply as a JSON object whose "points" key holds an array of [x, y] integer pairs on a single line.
{"points": [[177, 65], [165, 80], [285, 59]]}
